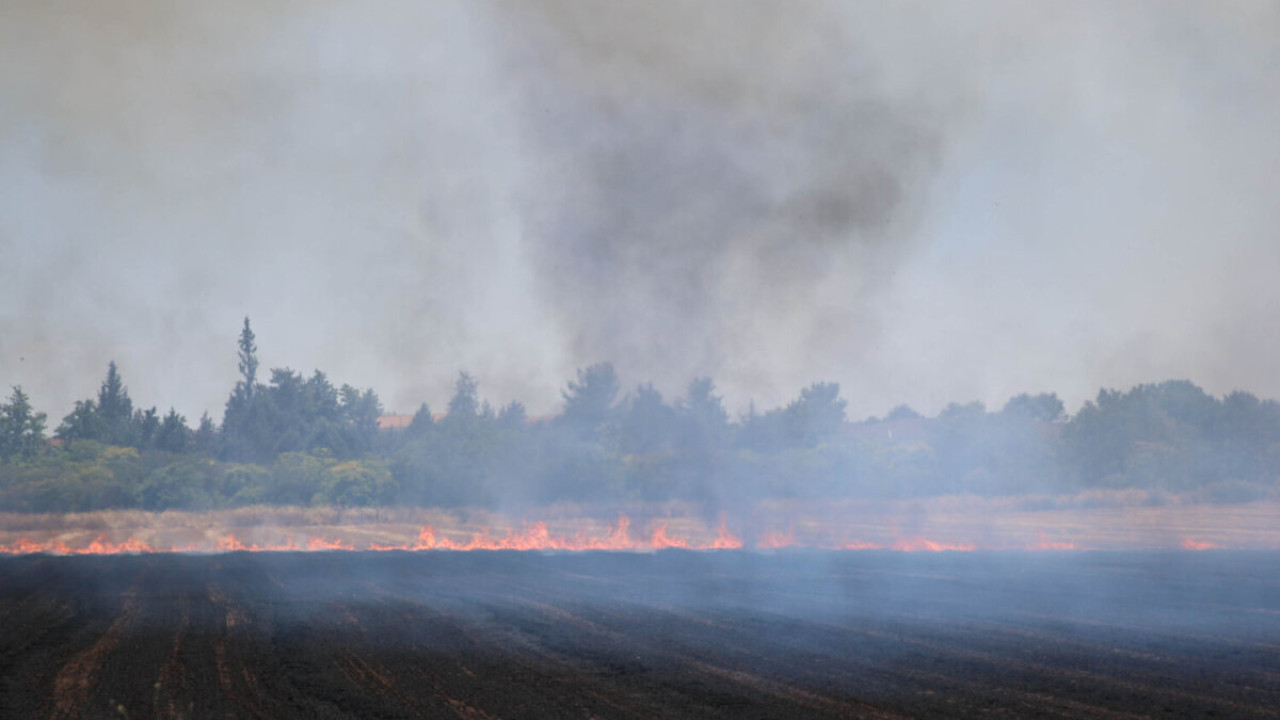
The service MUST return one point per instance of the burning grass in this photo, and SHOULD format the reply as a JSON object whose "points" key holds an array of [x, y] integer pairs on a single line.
{"points": [[1098, 521]]}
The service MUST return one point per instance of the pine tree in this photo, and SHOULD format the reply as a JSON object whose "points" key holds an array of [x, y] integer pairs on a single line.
{"points": [[21, 429], [243, 437], [114, 409], [248, 360]]}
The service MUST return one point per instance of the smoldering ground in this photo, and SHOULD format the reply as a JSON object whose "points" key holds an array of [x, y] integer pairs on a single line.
{"points": [[672, 635], [923, 203]]}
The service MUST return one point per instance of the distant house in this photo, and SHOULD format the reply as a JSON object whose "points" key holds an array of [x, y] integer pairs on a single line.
{"points": [[394, 422], [400, 422]]}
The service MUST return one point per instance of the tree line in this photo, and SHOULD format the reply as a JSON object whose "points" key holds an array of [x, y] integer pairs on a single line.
{"points": [[303, 440]]}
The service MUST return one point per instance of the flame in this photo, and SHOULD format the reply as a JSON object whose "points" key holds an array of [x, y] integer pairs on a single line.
{"points": [[860, 545], [776, 540], [725, 540], [1192, 544], [316, 543], [22, 547], [535, 536], [1043, 543], [660, 534], [661, 541], [538, 537], [919, 544]]}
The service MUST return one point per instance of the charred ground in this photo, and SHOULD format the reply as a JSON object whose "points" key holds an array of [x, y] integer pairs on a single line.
{"points": [[670, 634]]}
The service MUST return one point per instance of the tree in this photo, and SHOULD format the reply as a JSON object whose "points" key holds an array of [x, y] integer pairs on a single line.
{"points": [[422, 422], [21, 429], [758, 433], [359, 412], [704, 423], [173, 435], [248, 360], [646, 423], [706, 409], [108, 419], [702, 437], [322, 397], [465, 403], [512, 416], [81, 423], [114, 406], [114, 410], [205, 438], [816, 415], [1043, 408], [588, 402], [902, 413], [245, 435], [143, 427]]}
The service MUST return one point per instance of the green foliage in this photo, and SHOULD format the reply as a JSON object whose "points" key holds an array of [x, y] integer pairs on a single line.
{"points": [[421, 423], [646, 425], [21, 428], [1043, 408], [292, 415], [173, 435], [811, 419], [248, 360], [300, 440], [589, 401], [184, 485], [816, 415], [358, 483], [512, 416], [464, 406], [1172, 436], [114, 409], [111, 419], [296, 478], [241, 484]]}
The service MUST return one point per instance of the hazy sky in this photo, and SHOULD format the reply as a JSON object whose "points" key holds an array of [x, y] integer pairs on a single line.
{"points": [[925, 202]]}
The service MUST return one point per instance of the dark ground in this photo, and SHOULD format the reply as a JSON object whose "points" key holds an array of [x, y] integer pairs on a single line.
{"points": [[672, 634]]}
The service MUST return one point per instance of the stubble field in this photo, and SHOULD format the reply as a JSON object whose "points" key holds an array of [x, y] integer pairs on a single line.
{"points": [[728, 634]]}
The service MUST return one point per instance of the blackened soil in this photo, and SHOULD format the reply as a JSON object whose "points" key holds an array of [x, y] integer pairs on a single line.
{"points": [[617, 635]]}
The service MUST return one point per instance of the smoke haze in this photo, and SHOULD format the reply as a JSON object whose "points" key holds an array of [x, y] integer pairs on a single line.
{"points": [[923, 203]]}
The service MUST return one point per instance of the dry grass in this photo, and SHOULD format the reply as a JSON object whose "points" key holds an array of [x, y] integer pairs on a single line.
{"points": [[1097, 520]]}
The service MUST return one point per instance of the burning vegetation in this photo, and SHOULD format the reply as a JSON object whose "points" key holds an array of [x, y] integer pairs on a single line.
{"points": [[1110, 522]]}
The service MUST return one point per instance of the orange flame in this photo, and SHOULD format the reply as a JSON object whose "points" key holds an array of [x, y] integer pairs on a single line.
{"points": [[725, 540], [776, 540], [860, 545], [659, 534], [1043, 543], [919, 544], [1192, 544], [316, 543]]}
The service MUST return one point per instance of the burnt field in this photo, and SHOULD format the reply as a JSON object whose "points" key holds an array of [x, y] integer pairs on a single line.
{"points": [[630, 635]]}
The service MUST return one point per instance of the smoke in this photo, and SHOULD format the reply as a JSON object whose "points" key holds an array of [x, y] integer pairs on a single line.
{"points": [[712, 172], [924, 204]]}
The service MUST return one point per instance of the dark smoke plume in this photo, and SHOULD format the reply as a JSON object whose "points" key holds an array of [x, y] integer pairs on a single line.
{"points": [[925, 203]]}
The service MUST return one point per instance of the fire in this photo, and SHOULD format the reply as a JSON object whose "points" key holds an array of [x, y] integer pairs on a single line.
{"points": [[919, 544], [661, 541], [538, 537], [229, 543], [725, 540], [1043, 543], [316, 543], [535, 536], [776, 540], [1192, 544], [685, 533]]}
